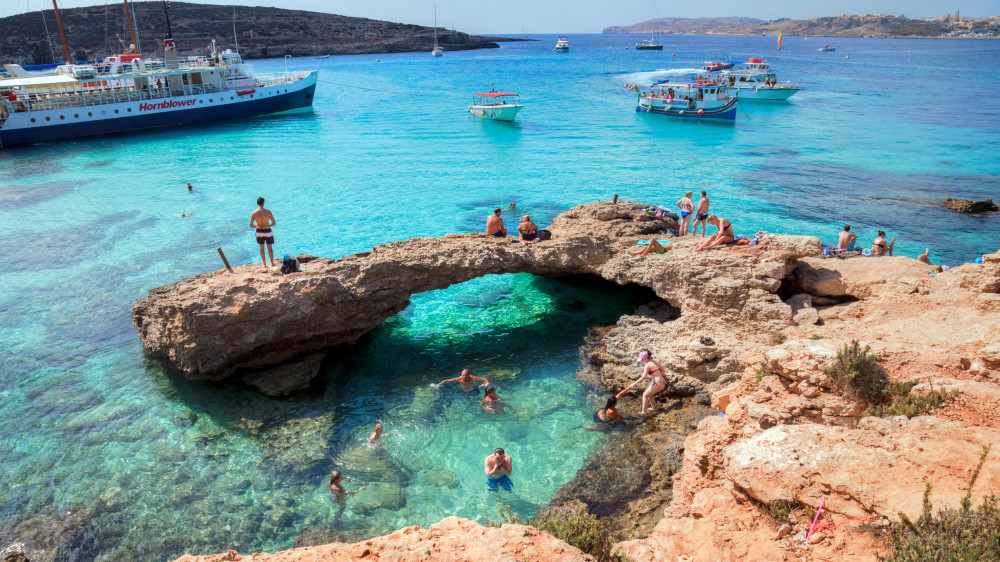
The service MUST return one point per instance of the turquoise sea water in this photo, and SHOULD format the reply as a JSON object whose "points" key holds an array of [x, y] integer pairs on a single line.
{"points": [[387, 153]]}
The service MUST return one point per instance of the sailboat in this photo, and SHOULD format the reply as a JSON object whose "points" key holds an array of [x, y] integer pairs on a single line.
{"points": [[780, 35], [650, 44], [437, 51]]}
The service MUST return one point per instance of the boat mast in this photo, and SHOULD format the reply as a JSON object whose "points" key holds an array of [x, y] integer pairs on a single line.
{"points": [[131, 26], [435, 27], [168, 41], [69, 59]]}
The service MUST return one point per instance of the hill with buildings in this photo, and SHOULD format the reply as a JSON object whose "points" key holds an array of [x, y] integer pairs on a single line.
{"points": [[845, 25]]}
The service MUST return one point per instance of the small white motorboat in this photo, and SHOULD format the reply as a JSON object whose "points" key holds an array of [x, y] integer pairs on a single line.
{"points": [[562, 45], [498, 106], [827, 47]]}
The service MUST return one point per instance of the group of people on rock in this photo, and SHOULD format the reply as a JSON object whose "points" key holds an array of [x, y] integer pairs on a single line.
{"points": [[527, 231], [847, 240]]}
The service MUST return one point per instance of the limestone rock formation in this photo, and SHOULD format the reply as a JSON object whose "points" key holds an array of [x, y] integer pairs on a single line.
{"points": [[450, 539], [204, 325], [969, 206]]}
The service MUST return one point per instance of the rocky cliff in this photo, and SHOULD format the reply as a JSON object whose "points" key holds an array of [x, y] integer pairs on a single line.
{"points": [[98, 31], [745, 332]]}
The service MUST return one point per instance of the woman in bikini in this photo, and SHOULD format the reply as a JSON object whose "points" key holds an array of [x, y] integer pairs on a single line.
{"points": [[654, 371], [654, 247], [880, 248], [608, 415], [724, 236]]}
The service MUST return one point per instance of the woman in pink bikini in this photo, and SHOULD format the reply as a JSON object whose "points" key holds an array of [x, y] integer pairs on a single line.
{"points": [[655, 371]]}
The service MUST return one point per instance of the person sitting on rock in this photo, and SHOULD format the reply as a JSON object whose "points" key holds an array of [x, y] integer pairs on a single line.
{"points": [[527, 231], [847, 239], [466, 380], [654, 247], [494, 224], [723, 236], [880, 248]]}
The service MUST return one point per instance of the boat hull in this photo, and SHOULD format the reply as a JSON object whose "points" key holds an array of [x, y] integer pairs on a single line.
{"points": [[495, 113], [725, 112], [641, 47], [95, 120], [561, 49], [764, 94]]}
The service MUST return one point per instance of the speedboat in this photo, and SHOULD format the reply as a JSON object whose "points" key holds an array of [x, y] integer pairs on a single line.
{"points": [[827, 47], [754, 80], [702, 100], [498, 106], [716, 66], [562, 45]]}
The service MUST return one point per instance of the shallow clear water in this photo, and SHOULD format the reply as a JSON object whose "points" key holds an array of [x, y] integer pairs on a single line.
{"points": [[170, 465]]}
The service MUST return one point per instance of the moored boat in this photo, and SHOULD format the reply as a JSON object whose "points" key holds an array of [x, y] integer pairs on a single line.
{"points": [[755, 81], [437, 51], [702, 100], [498, 106], [716, 66], [562, 45], [650, 44], [827, 47]]}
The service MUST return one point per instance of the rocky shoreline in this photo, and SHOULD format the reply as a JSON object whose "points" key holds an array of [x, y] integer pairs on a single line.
{"points": [[745, 332]]}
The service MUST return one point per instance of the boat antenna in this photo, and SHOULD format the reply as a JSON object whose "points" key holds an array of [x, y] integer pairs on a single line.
{"points": [[131, 26], [168, 41], [235, 40], [48, 37], [62, 33], [138, 42]]}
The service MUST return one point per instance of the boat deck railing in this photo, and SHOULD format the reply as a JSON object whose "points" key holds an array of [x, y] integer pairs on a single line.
{"points": [[99, 97]]}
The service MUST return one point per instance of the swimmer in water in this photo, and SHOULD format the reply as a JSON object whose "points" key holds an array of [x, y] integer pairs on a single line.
{"points": [[376, 435], [336, 488], [608, 415], [491, 402], [466, 380]]}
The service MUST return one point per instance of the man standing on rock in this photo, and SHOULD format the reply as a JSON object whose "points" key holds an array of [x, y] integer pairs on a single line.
{"points": [[494, 224], [701, 215], [846, 238], [263, 220], [498, 469]]}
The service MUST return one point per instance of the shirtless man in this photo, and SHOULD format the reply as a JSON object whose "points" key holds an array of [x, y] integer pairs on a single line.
{"points": [[686, 205], [263, 220], [701, 216], [527, 231], [494, 224], [466, 380], [498, 467], [846, 238]]}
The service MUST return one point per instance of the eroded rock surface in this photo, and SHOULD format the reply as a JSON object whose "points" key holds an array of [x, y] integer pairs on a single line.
{"points": [[969, 206], [206, 326]]}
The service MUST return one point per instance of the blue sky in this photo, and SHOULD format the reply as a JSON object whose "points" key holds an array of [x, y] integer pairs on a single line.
{"points": [[573, 16]]}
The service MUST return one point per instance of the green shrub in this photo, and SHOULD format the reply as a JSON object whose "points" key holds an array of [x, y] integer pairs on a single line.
{"points": [[778, 510], [575, 526], [902, 402], [817, 337], [779, 338], [857, 373], [951, 534], [761, 373]]}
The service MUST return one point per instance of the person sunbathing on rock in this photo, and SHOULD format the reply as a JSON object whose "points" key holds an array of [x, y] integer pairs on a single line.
{"points": [[723, 236], [654, 247], [880, 248], [466, 380], [527, 231], [494, 224]]}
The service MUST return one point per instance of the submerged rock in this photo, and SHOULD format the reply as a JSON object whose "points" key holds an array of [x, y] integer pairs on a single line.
{"points": [[969, 206], [57, 533]]}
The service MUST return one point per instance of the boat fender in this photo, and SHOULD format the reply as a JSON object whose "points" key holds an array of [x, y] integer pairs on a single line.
{"points": [[701, 112]]}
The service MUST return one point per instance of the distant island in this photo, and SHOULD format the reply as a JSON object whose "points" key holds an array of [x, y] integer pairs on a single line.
{"points": [[845, 25], [97, 31]]}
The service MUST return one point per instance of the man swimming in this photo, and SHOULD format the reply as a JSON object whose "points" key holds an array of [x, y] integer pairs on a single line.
{"points": [[466, 380], [701, 216], [263, 220], [686, 205], [498, 467], [846, 238]]}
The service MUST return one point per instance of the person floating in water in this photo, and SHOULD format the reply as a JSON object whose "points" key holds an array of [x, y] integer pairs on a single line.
{"points": [[263, 220], [608, 415], [190, 188], [491, 402], [655, 372], [466, 380], [376, 435], [494, 224], [498, 467]]}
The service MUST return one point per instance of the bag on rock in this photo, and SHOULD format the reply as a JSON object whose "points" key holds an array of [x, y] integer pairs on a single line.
{"points": [[544, 234]]}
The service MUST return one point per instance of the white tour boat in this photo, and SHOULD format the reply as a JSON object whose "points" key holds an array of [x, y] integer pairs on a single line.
{"points": [[125, 93], [754, 80], [499, 106], [562, 45], [702, 100]]}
